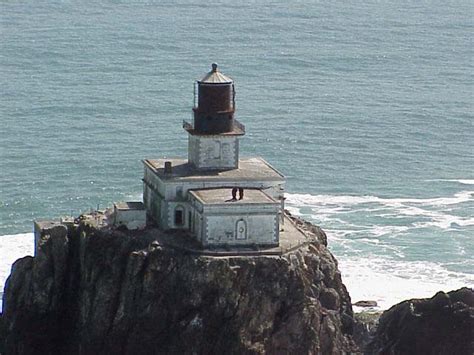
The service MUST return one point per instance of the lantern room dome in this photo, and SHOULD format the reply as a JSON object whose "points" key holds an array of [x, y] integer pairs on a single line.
{"points": [[215, 77]]}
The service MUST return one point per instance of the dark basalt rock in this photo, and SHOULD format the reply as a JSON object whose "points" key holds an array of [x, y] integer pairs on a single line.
{"points": [[443, 324], [90, 291], [365, 325], [365, 304]]}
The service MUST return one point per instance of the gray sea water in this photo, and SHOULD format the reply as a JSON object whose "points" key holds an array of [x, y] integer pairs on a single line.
{"points": [[366, 107]]}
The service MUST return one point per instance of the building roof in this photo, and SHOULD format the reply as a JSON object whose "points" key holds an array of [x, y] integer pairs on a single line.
{"points": [[129, 205], [224, 196], [215, 77], [250, 169]]}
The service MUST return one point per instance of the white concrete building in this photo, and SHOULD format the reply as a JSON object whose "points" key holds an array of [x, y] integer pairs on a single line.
{"points": [[129, 214], [196, 194], [216, 220]]}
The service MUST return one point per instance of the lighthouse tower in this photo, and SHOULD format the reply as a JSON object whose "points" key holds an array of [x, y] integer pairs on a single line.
{"points": [[213, 139], [199, 194]]}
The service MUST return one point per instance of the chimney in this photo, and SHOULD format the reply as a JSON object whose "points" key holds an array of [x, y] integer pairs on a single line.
{"points": [[168, 167]]}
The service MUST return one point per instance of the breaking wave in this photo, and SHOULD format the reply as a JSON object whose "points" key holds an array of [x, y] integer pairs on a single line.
{"points": [[388, 282], [460, 181], [348, 200], [422, 212], [391, 249], [13, 247]]}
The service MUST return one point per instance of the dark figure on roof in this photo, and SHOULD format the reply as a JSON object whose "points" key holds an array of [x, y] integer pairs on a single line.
{"points": [[234, 193]]}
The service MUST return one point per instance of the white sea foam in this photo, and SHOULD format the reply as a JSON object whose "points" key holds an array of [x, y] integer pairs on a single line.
{"points": [[429, 212], [388, 282], [13, 247], [134, 197], [461, 181], [375, 238], [293, 210], [446, 221], [349, 200], [379, 231]]}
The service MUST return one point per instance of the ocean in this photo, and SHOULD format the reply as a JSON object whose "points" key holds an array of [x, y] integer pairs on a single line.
{"points": [[366, 107]]}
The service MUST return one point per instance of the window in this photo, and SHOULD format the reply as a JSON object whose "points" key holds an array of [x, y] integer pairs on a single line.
{"points": [[179, 216]]}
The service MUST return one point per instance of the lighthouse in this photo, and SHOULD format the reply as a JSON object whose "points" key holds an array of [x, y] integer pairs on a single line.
{"points": [[198, 194], [213, 142]]}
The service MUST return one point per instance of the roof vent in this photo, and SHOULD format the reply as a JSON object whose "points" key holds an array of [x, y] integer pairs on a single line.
{"points": [[214, 67]]}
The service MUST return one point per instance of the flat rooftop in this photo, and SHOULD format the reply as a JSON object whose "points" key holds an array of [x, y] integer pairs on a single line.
{"points": [[249, 169], [129, 205], [224, 196]]}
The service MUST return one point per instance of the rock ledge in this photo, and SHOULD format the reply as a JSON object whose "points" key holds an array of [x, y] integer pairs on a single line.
{"points": [[94, 291]]}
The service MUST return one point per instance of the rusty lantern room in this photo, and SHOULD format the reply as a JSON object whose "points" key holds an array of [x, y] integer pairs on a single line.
{"points": [[213, 136], [214, 103]]}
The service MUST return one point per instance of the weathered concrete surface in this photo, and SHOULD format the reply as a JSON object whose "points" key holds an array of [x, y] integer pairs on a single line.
{"points": [[95, 292]]}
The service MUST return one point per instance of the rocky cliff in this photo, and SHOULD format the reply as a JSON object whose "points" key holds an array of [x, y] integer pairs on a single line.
{"points": [[91, 291], [443, 324]]}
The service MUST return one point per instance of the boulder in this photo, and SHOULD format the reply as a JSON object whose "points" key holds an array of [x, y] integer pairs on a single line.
{"points": [[443, 324], [365, 304]]}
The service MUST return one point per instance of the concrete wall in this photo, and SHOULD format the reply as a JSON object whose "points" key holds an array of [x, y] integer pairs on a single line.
{"points": [[152, 179], [213, 152], [259, 229], [162, 210], [153, 203], [197, 225], [154, 192], [235, 224], [161, 196], [133, 219], [172, 207]]}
